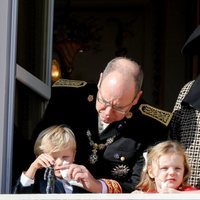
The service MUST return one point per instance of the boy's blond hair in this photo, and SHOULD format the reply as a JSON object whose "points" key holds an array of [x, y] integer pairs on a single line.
{"points": [[53, 139]]}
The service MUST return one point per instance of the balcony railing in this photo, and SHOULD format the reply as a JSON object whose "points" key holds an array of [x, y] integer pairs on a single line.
{"points": [[177, 196]]}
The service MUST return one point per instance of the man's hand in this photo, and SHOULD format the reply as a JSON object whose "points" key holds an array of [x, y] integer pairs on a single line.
{"points": [[81, 174]]}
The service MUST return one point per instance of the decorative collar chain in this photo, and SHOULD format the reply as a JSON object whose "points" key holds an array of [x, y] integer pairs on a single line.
{"points": [[95, 147]]}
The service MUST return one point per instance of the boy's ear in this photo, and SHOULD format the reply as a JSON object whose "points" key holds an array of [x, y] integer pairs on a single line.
{"points": [[150, 171]]}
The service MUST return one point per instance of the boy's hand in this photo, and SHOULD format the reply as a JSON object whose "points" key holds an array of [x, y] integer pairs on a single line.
{"points": [[42, 161]]}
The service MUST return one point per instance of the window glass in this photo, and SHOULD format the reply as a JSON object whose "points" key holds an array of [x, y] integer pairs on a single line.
{"points": [[32, 90], [28, 112], [31, 52]]}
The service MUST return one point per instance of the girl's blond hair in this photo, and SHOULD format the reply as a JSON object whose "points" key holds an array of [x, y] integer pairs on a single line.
{"points": [[147, 183]]}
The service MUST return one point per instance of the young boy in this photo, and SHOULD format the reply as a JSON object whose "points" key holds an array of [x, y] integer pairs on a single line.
{"points": [[53, 146], [53, 170]]}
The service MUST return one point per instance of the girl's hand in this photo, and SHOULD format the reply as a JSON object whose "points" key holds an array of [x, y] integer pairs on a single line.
{"points": [[169, 190], [162, 187]]}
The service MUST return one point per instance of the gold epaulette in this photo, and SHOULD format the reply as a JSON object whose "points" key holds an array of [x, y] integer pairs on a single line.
{"points": [[160, 115], [69, 83]]}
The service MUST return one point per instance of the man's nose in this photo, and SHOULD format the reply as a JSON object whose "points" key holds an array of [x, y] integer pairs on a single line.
{"points": [[108, 109]]}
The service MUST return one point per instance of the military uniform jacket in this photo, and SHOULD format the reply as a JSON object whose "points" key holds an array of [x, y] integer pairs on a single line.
{"points": [[116, 153], [185, 126]]}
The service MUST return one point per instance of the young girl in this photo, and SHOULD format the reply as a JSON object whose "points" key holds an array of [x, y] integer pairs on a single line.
{"points": [[166, 170]]}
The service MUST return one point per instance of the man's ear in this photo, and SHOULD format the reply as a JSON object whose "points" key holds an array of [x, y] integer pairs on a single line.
{"points": [[150, 171], [139, 94], [100, 79]]}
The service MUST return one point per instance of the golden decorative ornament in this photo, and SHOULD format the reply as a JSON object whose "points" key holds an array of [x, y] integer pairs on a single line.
{"points": [[113, 186], [129, 115], [120, 171], [90, 98], [69, 83], [162, 116], [97, 147]]}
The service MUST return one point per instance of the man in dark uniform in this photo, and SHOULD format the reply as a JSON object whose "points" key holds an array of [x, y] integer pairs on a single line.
{"points": [[112, 124]]}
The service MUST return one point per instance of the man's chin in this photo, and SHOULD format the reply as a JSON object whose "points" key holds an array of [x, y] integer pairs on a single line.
{"points": [[107, 121]]}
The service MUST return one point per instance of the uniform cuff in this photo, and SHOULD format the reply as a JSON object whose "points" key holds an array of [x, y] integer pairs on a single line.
{"points": [[104, 186], [112, 186]]}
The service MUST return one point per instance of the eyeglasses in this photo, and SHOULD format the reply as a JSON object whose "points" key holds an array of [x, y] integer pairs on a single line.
{"points": [[119, 109]]}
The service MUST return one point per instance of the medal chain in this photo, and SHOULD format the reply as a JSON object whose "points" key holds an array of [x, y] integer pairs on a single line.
{"points": [[95, 147]]}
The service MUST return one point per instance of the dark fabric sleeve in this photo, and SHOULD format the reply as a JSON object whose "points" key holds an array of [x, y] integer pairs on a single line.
{"points": [[129, 185], [19, 189]]}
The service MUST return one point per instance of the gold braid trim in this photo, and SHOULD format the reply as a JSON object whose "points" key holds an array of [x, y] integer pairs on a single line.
{"points": [[69, 83], [162, 116], [113, 186]]}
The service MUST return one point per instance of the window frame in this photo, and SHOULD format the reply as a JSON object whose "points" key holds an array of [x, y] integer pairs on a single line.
{"points": [[10, 72]]}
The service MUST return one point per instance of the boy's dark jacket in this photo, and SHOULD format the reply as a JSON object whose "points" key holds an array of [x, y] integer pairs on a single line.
{"points": [[40, 185]]}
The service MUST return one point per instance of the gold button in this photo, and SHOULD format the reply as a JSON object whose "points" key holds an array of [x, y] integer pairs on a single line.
{"points": [[122, 158], [90, 98], [129, 115]]}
